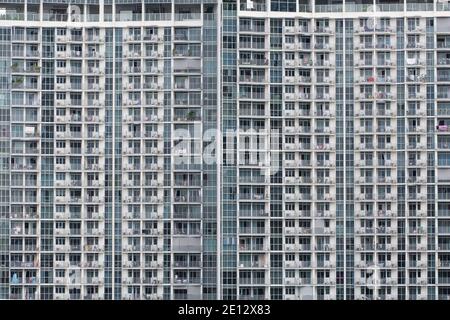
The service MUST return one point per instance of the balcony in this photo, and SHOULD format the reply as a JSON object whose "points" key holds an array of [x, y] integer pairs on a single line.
{"points": [[255, 62], [128, 15], [255, 78], [323, 29], [251, 95], [415, 45], [55, 17], [245, 44], [363, 63], [253, 179], [322, 79], [353, 7], [252, 196], [163, 16], [187, 16], [324, 96], [365, 46], [442, 128], [92, 54], [415, 62], [328, 7], [324, 247], [290, 46], [253, 247], [323, 46], [419, 6], [252, 230], [253, 6], [443, 95]]}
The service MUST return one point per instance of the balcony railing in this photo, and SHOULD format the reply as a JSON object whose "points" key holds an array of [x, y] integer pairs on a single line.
{"points": [[33, 16], [259, 62], [390, 6], [157, 16], [352, 7], [54, 17], [419, 6], [187, 16], [12, 16], [254, 7], [442, 6], [329, 8]]}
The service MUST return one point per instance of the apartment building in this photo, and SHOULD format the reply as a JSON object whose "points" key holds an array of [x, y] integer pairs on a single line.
{"points": [[330, 178], [346, 194], [97, 203]]}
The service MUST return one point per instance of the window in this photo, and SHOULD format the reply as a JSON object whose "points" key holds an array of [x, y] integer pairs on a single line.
{"points": [[283, 5]]}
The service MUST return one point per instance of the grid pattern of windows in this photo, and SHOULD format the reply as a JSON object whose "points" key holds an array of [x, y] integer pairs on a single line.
{"points": [[331, 124], [100, 197], [350, 210]]}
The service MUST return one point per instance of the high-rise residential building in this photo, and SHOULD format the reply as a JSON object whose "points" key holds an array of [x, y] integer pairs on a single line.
{"points": [[95, 201], [222, 149]]}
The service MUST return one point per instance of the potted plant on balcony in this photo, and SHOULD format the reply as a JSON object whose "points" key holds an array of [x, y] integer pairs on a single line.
{"points": [[14, 66], [190, 115], [17, 82]]}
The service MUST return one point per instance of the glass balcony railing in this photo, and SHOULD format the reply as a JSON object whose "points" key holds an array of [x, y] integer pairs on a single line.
{"points": [[443, 6], [33, 16], [419, 6], [92, 17], [187, 16], [304, 8], [323, 46], [390, 6], [252, 28], [443, 61], [253, 7], [157, 16], [54, 17], [12, 16], [251, 264], [329, 8], [443, 95], [443, 44], [444, 196], [259, 62], [128, 17], [353, 7], [32, 53]]}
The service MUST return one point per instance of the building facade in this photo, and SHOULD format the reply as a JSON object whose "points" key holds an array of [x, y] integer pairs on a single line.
{"points": [[97, 203], [204, 149]]}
